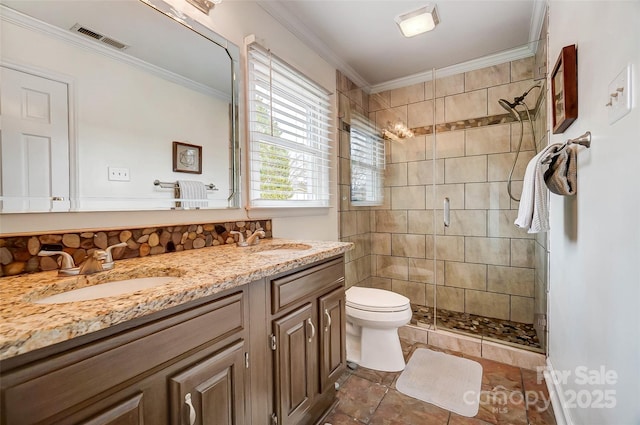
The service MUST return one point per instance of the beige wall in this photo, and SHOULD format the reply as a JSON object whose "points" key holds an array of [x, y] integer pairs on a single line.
{"points": [[485, 265]]}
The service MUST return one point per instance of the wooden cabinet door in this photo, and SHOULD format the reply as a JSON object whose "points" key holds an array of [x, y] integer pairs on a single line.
{"points": [[295, 361], [211, 392], [332, 337]]}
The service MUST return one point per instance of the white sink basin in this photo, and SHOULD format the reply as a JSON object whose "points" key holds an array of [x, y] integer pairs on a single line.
{"points": [[108, 289], [288, 248]]}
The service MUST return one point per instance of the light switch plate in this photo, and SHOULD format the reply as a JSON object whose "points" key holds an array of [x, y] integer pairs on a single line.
{"points": [[619, 91], [119, 174]]}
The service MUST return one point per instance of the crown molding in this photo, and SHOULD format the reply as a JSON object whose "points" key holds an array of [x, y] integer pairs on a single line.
{"points": [[278, 10], [472, 65], [537, 20], [12, 16]]}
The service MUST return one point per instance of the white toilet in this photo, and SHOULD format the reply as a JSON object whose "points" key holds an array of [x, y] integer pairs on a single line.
{"points": [[373, 319]]}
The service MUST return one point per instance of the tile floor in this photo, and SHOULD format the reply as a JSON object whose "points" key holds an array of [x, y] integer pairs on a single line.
{"points": [[510, 396]]}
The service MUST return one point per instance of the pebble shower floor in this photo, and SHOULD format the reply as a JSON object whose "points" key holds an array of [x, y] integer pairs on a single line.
{"points": [[521, 334]]}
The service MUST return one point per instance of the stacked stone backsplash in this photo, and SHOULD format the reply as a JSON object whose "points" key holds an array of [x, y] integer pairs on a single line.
{"points": [[19, 254]]}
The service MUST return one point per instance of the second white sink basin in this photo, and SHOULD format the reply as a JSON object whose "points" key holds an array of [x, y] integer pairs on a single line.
{"points": [[280, 249], [108, 289]]}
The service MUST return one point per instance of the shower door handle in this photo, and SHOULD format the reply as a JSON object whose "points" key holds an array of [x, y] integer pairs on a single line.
{"points": [[447, 213]]}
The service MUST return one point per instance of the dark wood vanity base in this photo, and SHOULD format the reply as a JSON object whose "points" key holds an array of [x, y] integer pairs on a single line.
{"points": [[243, 356]]}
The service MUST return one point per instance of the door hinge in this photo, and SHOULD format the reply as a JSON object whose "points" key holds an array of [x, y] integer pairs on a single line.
{"points": [[274, 419], [541, 321], [246, 360], [272, 337]]}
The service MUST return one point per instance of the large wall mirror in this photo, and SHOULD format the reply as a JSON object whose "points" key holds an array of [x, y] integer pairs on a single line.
{"points": [[94, 93]]}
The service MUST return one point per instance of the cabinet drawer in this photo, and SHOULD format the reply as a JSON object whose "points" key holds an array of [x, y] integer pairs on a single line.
{"points": [[85, 373], [287, 290], [127, 412]]}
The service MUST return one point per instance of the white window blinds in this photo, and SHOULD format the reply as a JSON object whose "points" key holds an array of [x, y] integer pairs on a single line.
{"points": [[367, 163], [289, 134]]}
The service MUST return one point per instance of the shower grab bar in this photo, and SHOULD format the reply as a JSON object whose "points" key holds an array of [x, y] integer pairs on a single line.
{"points": [[447, 212]]}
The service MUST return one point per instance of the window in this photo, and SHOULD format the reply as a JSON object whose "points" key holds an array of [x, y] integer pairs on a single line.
{"points": [[367, 163], [289, 134]]}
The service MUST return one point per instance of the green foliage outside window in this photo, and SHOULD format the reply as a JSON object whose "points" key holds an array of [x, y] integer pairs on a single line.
{"points": [[275, 169]]}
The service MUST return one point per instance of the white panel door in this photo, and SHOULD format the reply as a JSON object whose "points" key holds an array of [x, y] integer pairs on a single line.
{"points": [[34, 139]]}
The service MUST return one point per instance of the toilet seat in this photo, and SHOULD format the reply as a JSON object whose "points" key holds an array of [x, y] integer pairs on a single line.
{"points": [[376, 300]]}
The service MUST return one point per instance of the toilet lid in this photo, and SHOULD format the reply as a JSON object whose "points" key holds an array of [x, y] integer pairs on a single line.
{"points": [[372, 299]]}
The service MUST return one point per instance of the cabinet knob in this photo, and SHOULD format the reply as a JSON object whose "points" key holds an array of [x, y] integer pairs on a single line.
{"points": [[192, 410], [313, 330], [326, 313]]}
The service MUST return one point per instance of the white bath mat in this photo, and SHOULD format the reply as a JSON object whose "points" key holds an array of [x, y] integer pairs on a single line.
{"points": [[447, 381]]}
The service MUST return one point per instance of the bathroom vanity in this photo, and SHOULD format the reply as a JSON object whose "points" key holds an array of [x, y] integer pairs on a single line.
{"points": [[262, 342]]}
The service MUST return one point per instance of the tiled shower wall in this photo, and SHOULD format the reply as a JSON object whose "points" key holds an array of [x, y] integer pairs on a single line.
{"points": [[355, 222], [485, 265]]}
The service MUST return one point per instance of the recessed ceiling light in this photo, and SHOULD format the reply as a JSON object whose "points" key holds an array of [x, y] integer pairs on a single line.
{"points": [[418, 21]]}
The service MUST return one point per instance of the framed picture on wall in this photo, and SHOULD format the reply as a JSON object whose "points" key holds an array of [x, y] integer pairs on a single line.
{"points": [[187, 158], [564, 89]]}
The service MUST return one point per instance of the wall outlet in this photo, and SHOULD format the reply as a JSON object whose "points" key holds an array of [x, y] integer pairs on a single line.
{"points": [[119, 174]]}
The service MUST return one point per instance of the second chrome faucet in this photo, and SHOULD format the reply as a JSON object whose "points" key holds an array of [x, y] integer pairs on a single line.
{"points": [[253, 239]]}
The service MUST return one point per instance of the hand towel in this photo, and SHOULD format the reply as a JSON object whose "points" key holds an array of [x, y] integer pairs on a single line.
{"points": [[190, 192], [562, 176], [533, 211]]}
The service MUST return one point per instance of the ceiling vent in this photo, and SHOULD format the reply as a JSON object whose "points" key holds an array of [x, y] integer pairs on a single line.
{"points": [[98, 37]]}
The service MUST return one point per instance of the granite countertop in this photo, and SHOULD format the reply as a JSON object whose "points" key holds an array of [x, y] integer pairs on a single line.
{"points": [[26, 326]]}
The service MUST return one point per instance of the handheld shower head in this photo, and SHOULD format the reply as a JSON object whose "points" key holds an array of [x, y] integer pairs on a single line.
{"points": [[511, 108], [518, 100]]}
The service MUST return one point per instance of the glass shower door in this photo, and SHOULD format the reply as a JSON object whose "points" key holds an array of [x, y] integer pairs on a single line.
{"points": [[485, 267]]}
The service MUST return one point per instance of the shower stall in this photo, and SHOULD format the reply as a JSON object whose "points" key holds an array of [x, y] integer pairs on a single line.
{"points": [[442, 233]]}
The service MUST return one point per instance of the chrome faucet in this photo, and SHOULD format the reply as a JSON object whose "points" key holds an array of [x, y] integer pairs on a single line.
{"points": [[241, 241], [93, 263], [251, 240], [68, 267], [255, 237], [98, 261], [108, 262]]}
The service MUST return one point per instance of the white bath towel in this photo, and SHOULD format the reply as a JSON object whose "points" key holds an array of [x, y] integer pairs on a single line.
{"points": [[533, 211], [190, 193]]}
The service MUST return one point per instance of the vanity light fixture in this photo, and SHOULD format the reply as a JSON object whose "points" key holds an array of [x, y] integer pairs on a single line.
{"points": [[204, 6], [396, 132], [418, 21]]}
